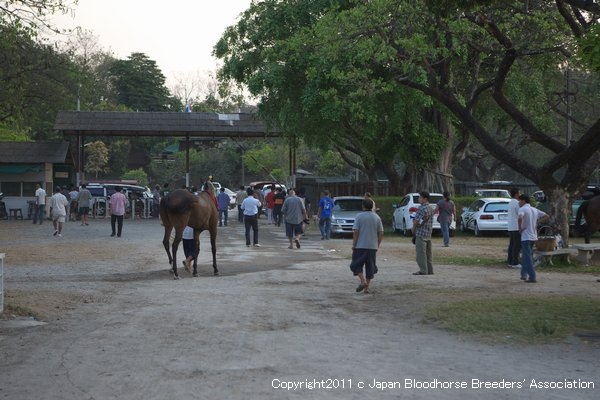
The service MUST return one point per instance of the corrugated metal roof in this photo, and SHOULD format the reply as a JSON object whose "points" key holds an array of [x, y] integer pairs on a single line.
{"points": [[34, 152], [112, 123]]}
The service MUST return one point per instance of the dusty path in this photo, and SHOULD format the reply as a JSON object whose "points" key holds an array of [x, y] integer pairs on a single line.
{"points": [[118, 327]]}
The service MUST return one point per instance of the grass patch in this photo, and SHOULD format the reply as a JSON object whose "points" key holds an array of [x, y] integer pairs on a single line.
{"points": [[467, 260], [18, 311], [564, 267], [524, 319]]}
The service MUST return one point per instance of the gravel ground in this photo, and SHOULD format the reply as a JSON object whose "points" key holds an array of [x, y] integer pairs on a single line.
{"points": [[276, 324]]}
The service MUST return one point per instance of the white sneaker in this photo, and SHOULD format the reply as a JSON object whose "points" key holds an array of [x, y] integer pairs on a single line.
{"points": [[518, 266], [257, 245], [59, 235]]}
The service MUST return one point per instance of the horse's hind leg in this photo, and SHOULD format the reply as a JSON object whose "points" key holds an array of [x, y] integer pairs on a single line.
{"points": [[166, 239], [176, 241], [196, 252], [213, 247]]}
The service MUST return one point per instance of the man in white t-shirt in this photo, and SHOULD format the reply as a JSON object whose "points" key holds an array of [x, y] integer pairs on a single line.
{"points": [[528, 218], [514, 237], [58, 210], [40, 202]]}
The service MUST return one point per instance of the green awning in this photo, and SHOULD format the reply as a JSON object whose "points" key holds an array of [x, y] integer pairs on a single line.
{"points": [[19, 168]]}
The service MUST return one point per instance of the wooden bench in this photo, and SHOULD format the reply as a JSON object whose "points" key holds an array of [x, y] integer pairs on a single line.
{"points": [[587, 253], [545, 257]]}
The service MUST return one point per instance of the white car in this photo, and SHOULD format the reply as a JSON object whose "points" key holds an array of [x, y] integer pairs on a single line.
{"points": [[485, 215], [232, 197], [404, 213], [492, 193]]}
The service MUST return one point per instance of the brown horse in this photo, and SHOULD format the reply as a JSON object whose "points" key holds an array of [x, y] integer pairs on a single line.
{"points": [[179, 209], [590, 210]]}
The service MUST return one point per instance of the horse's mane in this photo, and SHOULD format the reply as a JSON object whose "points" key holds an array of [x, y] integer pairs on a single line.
{"points": [[208, 186]]}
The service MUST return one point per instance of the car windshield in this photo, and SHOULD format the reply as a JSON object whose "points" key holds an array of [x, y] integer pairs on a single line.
{"points": [[496, 207], [348, 205]]}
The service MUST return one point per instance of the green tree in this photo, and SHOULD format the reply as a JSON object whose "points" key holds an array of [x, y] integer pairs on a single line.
{"points": [[138, 175], [37, 82], [363, 114], [96, 158], [497, 60], [140, 85]]}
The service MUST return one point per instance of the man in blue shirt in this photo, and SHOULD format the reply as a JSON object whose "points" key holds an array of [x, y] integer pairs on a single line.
{"points": [[223, 206], [325, 209]]}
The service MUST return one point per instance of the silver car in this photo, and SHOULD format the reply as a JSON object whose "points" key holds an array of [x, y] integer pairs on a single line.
{"points": [[345, 210], [485, 215]]}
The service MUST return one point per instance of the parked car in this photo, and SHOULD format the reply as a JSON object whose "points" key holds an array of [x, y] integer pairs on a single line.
{"points": [[404, 213], [217, 186], [232, 197], [345, 210], [487, 214], [492, 193]]}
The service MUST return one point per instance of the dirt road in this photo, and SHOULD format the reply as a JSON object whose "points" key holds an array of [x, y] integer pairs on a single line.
{"points": [[276, 324]]}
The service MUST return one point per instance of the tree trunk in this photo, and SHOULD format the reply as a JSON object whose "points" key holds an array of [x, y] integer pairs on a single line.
{"points": [[559, 209]]}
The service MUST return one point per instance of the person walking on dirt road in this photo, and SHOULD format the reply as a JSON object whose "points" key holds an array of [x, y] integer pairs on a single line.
{"points": [[367, 234]]}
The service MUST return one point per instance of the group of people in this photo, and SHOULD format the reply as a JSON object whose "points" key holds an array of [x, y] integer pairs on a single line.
{"points": [[62, 207], [291, 208], [522, 231]]}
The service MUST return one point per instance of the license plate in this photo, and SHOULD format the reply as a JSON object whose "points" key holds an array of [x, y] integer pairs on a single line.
{"points": [[502, 216]]}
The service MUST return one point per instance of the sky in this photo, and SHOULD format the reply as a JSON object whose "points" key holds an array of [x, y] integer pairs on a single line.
{"points": [[178, 34]]}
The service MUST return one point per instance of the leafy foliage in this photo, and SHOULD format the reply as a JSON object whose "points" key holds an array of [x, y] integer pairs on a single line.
{"points": [[96, 158]]}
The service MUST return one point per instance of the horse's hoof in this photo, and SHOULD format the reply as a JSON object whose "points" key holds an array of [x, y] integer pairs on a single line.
{"points": [[216, 273], [195, 274]]}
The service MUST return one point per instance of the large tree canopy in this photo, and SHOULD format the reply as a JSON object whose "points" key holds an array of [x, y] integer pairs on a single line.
{"points": [[492, 68], [363, 113]]}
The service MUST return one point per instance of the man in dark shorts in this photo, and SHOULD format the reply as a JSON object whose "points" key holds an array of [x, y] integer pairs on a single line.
{"points": [[84, 202], [367, 233]]}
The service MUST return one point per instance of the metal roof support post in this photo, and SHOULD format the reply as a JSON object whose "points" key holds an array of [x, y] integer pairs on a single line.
{"points": [[187, 161]]}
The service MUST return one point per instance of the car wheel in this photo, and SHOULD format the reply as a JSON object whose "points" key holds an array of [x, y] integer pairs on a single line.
{"points": [[101, 209], [451, 233], [405, 230], [463, 226], [477, 231]]}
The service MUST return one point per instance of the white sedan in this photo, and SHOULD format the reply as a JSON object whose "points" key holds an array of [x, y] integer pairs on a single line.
{"points": [[487, 214], [404, 213]]}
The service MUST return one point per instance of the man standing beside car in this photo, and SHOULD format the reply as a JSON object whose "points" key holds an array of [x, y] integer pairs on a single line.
{"points": [[446, 213], [324, 213], [528, 218], [421, 230], [514, 236], [118, 205], [223, 206]]}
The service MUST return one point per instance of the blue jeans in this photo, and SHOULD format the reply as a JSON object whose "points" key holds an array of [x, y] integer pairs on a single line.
{"points": [[221, 214], [325, 227], [527, 270], [445, 228], [39, 213], [240, 213]]}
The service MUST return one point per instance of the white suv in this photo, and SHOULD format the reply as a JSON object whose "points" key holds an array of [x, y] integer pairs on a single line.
{"points": [[404, 213]]}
